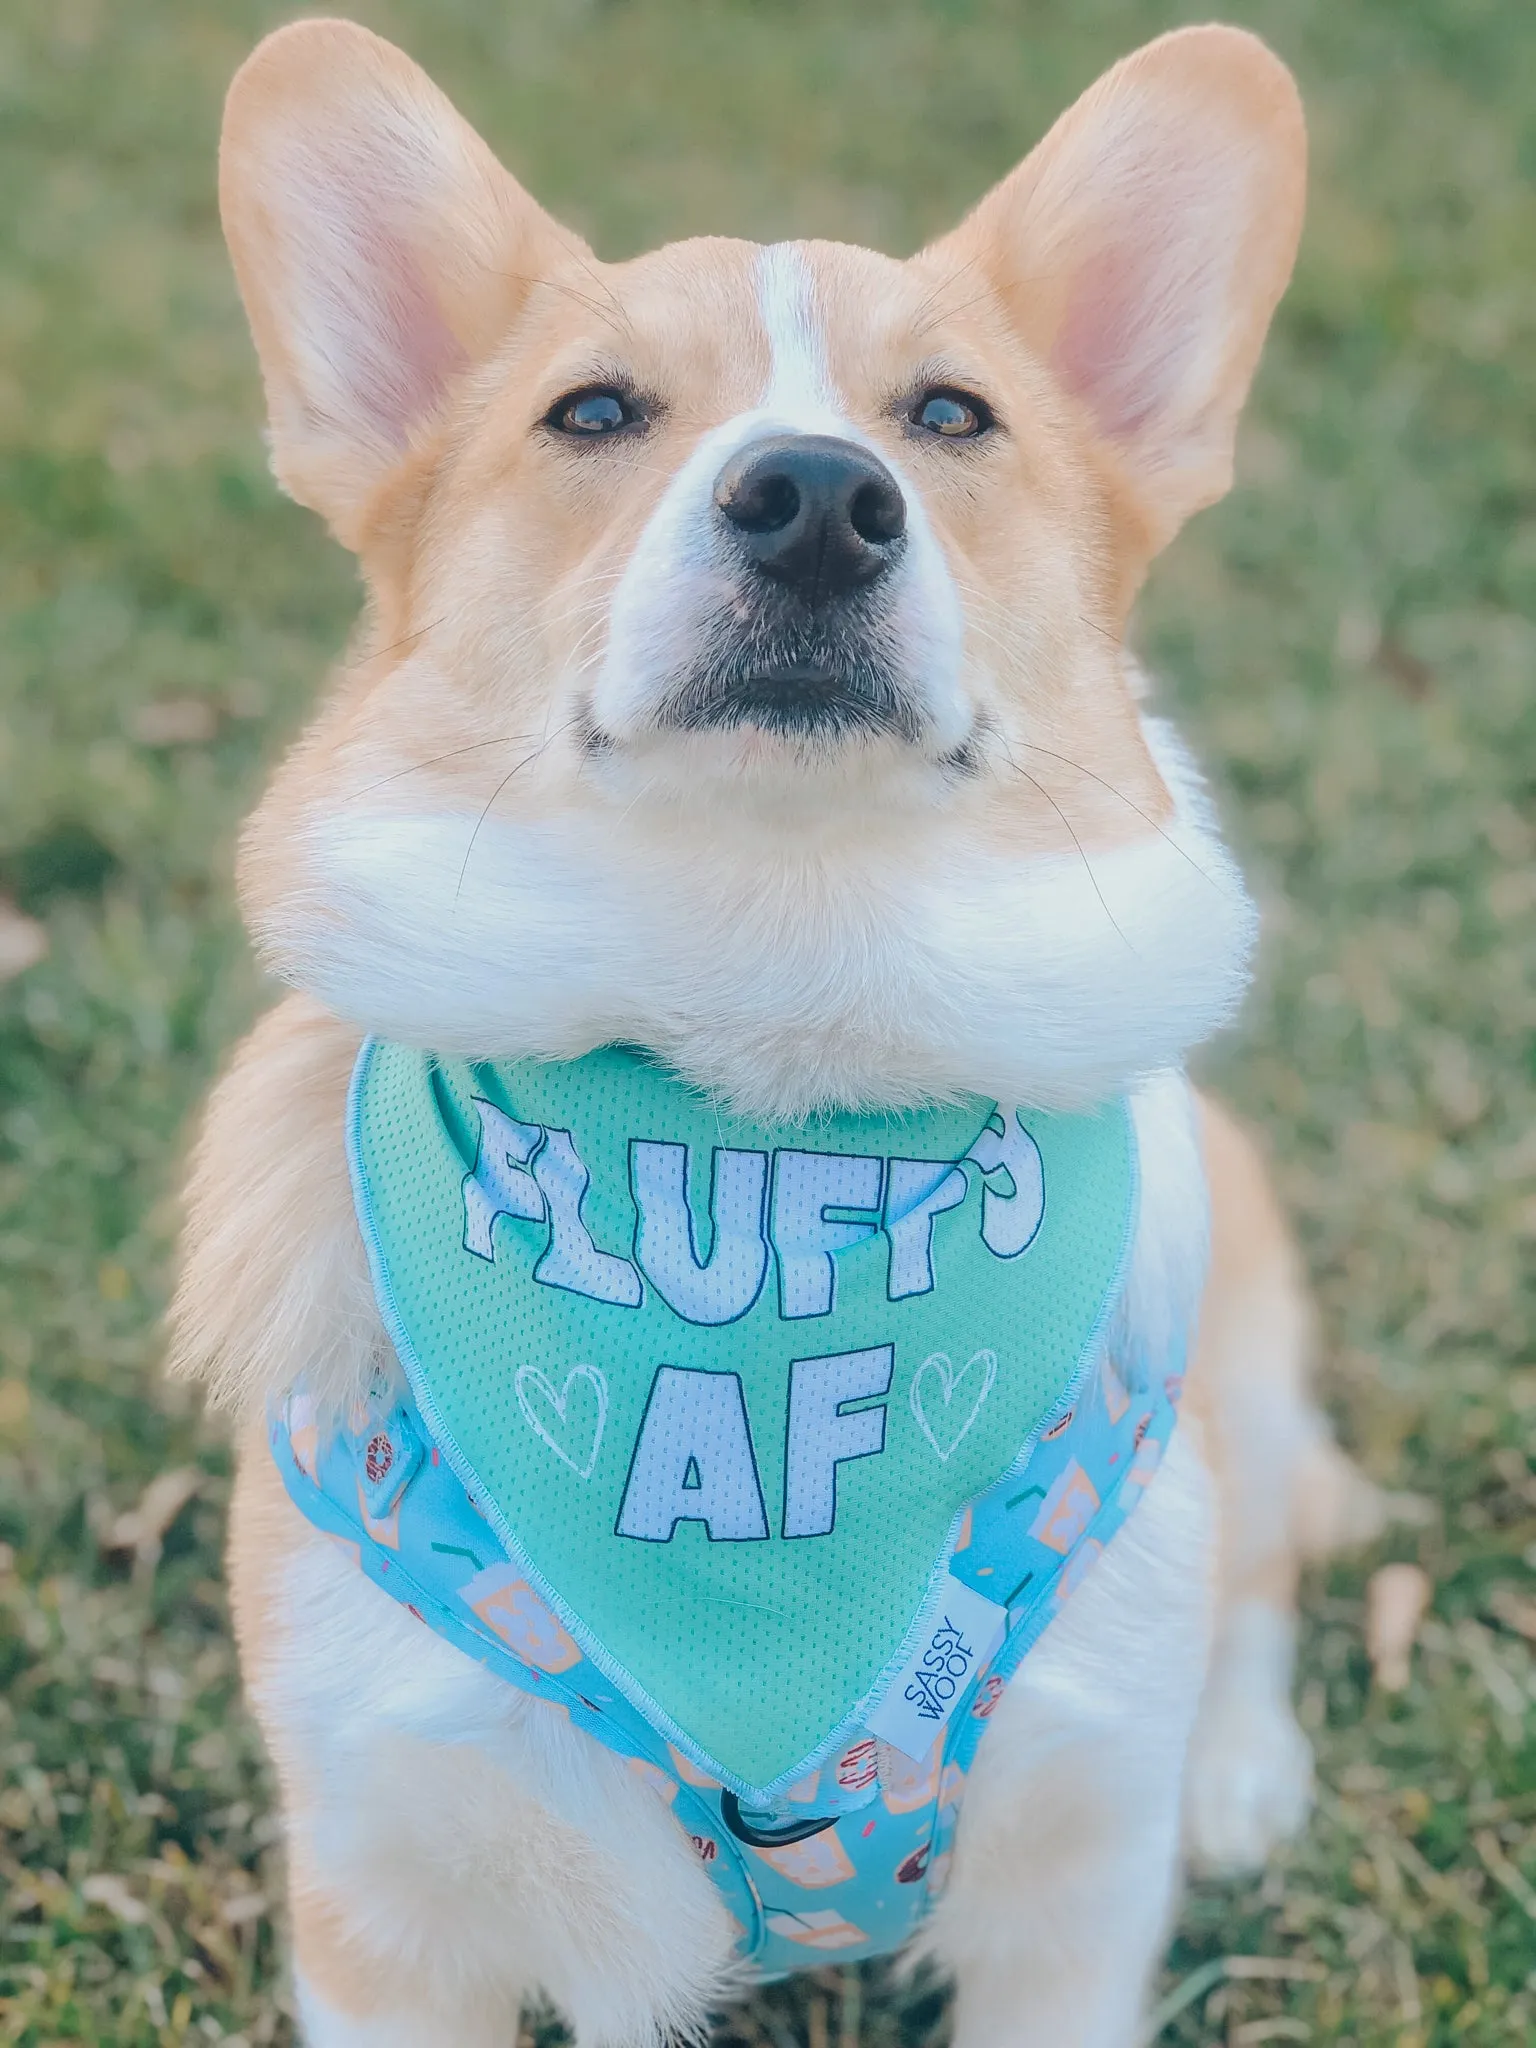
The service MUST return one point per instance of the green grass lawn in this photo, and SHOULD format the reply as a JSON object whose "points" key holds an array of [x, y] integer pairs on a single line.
{"points": [[1348, 641]]}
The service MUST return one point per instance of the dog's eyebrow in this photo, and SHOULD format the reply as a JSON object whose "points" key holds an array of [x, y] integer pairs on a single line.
{"points": [[932, 310], [614, 310], [552, 284]]}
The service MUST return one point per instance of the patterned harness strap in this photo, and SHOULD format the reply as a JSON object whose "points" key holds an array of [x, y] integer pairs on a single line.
{"points": [[848, 1860]]}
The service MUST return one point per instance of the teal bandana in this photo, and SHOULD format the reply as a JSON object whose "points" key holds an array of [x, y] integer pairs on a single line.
{"points": [[724, 1392]]}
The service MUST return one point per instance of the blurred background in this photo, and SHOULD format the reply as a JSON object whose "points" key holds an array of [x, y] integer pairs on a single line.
{"points": [[1348, 641]]}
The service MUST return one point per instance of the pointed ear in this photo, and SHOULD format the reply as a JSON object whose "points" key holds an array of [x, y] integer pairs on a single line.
{"points": [[1141, 249], [380, 249]]}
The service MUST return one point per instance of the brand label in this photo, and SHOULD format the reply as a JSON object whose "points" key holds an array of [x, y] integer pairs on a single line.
{"points": [[962, 1632]]}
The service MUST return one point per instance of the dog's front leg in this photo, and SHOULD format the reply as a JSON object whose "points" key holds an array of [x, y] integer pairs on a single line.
{"points": [[455, 1848], [333, 2016], [1066, 1867]]}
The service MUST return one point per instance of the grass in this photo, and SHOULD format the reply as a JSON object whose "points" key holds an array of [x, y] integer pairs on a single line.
{"points": [[1348, 641]]}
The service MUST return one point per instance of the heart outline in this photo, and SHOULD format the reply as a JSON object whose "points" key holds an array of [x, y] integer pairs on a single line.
{"points": [[951, 1379], [559, 1402]]}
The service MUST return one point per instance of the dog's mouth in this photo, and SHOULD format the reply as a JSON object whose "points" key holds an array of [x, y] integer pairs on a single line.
{"points": [[784, 677], [796, 700], [782, 693]]}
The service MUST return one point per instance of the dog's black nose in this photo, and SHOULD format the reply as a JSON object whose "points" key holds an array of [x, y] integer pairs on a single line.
{"points": [[819, 514]]}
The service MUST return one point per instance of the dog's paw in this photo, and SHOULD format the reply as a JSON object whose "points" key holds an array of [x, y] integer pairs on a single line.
{"points": [[1249, 1785]]}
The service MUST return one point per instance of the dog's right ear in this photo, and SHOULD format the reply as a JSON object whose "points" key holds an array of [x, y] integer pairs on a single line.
{"points": [[380, 249]]}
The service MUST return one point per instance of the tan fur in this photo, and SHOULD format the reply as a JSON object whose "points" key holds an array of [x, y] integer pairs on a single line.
{"points": [[272, 1269], [1286, 1491], [417, 315]]}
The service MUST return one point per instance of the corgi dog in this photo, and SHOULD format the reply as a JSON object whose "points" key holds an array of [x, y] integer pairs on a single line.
{"points": [[744, 680]]}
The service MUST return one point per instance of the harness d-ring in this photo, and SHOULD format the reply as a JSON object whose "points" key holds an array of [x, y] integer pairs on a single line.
{"points": [[777, 1838]]}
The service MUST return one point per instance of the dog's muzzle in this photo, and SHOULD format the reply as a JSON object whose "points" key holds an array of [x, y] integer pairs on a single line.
{"points": [[809, 527]]}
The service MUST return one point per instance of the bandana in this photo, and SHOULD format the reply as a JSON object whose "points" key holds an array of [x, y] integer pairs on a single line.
{"points": [[724, 1392]]}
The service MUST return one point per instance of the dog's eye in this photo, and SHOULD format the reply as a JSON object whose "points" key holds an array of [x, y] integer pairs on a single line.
{"points": [[954, 414], [591, 413]]}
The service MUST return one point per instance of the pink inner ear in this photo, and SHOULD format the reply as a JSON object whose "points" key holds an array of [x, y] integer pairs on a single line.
{"points": [[1139, 306], [412, 351], [374, 328]]}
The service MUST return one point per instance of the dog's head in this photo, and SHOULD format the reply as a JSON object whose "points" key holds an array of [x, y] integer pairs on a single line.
{"points": [[744, 672]]}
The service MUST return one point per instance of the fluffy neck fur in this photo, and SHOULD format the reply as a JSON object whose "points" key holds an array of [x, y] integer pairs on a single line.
{"points": [[898, 969]]}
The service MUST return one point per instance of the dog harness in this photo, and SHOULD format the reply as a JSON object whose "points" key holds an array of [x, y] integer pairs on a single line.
{"points": [[763, 1454]]}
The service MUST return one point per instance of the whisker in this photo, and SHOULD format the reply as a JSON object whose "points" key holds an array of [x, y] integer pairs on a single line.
{"points": [[553, 284], [542, 748], [927, 316], [573, 249], [643, 790], [378, 653], [954, 312], [1130, 804], [416, 767], [578, 653], [1072, 834], [991, 639]]}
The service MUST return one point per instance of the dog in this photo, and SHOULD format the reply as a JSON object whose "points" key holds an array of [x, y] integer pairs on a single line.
{"points": [[744, 684]]}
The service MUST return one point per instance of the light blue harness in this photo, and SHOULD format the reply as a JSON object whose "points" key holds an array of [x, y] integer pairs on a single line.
{"points": [[847, 1859]]}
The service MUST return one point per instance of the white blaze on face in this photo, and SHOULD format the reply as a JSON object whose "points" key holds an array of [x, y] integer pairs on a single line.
{"points": [[683, 575], [800, 392]]}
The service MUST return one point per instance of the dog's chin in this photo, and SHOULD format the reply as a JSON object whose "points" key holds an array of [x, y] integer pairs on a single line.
{"points": [[791, 791]]}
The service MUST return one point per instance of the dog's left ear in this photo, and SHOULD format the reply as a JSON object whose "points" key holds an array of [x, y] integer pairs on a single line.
{"points": [[1140, 251]]}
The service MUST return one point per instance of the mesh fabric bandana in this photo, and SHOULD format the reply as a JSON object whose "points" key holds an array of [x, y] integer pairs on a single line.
{"points": [[724, 1389]]}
